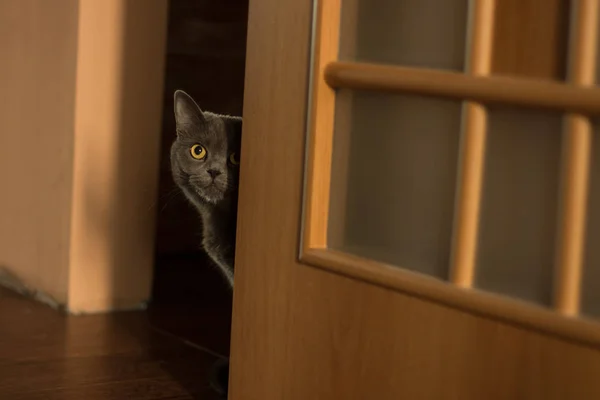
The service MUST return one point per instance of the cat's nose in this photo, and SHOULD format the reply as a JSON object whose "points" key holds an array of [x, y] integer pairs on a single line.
{"points": [[213, 173]]}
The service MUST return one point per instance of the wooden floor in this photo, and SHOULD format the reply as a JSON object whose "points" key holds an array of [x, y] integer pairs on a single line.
{"points": [[47, 355]]}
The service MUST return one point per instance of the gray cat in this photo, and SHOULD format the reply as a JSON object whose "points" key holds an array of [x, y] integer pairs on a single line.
{"points": [[205, 165]]}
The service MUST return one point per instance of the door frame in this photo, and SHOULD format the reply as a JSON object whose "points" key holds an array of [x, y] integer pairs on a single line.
{"points": [[477, 88]]}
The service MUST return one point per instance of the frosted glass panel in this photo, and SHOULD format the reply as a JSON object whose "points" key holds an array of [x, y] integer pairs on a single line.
{"points": [[590, 302], [419, 33], [518, 221], [393, 179]]}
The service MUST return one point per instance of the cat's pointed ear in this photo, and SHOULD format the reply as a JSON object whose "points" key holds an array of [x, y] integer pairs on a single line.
{"points": [[187, 112]]}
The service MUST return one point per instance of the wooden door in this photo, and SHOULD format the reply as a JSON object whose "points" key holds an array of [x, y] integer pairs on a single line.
{"points": [[416, 216]]}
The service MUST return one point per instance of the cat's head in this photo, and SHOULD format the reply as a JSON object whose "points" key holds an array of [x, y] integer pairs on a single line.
{"points": [[205, 155]]}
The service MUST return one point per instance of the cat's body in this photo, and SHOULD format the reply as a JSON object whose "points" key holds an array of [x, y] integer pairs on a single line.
{"points": [[204, 162], [218, 234]]}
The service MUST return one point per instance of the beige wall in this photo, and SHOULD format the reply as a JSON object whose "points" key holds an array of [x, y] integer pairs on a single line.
{"points": [[80, 105], [38, 41]]}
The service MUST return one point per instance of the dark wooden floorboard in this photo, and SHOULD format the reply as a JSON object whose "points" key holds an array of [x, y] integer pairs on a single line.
{"points": [[47, 355]]}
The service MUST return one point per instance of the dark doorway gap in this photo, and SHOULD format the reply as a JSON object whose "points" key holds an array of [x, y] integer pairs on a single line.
{"points": [[205, 56]]}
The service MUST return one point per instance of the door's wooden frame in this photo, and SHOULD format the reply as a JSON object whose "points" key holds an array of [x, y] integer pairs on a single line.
{"points": [[472, 161], [577, 150], [577, 97], [116, 153]]}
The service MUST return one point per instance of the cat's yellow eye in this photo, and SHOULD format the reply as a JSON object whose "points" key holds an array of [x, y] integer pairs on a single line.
{"points": [[198, 152], [233, 158]]}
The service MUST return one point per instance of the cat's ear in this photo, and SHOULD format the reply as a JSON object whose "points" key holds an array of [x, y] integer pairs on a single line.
{"points": [[187, 112]]}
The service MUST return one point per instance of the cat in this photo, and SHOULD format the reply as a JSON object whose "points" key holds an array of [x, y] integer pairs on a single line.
{"points": [[205, 166]]}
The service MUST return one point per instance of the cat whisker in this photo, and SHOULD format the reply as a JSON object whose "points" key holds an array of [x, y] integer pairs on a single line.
{"points": [[166, 197], [168, 201]]}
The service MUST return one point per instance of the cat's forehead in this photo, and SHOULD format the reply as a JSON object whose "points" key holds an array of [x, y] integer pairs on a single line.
{"points": [[222, 129], [212, 131], [219, 133]]}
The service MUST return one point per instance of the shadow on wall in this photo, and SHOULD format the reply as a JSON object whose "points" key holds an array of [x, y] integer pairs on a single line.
{"points": [[206, 52]]}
